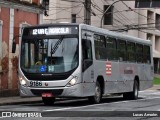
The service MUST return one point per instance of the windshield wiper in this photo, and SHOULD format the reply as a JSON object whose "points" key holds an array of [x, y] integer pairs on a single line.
{"points": [[55, 47]]}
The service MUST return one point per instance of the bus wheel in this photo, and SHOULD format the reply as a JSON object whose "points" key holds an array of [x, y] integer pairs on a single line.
{"points": [[134, 94], [98, 94], [48, 100]]}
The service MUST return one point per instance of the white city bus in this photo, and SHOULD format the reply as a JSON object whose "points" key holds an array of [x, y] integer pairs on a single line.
{"points": [[78, 60]]}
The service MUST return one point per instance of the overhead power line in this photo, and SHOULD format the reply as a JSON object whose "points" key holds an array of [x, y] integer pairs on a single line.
{"points": [[125, 19], [139, 26], [66, 9]]}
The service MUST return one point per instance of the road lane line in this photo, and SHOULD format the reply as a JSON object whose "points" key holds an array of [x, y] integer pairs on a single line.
{"points": [[156, 93], [60, 109], [69, 108], [146, 91]]}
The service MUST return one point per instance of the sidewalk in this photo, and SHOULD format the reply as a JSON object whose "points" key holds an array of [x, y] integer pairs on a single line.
{"points": [[157, 75], [155, 87], [19, 100], [27, 100]]}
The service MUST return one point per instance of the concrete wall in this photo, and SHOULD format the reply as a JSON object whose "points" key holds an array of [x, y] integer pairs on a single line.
{"points": [[59, 11], [123, 16]]}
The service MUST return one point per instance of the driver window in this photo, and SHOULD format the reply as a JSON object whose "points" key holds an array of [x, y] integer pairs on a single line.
{"points": [[87, 50]]}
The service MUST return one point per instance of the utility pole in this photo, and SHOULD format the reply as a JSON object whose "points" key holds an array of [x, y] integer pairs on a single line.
{"points": [[87, 12]]}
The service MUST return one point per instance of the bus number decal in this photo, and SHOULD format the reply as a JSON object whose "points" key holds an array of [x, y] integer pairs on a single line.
{"points": [[35, 84], [108, 68]]}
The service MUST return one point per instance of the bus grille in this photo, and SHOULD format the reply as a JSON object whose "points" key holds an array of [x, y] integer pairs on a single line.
{"points": [[40, 91]]}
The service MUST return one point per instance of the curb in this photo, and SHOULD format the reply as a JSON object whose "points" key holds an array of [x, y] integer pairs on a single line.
{"points": [[15, 100], [27, 102], [20, 102]]}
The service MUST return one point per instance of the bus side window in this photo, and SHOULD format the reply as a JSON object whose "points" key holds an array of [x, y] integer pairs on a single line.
{"points": [[146, 54], [122, 50], [87, 53], [87, 50], [100, 47], [111, 48], [131, 52], [139, 53]]}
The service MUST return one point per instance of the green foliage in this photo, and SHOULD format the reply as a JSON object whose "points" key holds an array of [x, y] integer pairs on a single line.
{"points": [[156, 81]]}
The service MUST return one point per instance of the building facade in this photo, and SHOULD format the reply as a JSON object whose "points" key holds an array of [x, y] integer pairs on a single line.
{"points": [[14, 15], [122, 16]]}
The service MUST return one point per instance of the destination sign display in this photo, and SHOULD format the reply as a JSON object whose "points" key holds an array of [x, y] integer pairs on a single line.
{"points": [[51, 31]]}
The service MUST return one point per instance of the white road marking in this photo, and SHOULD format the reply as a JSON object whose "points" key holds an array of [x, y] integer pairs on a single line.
{"points": [[1, 117], [150, 92], [156, 93], [147, 91], [142, 96], [69, 108]]}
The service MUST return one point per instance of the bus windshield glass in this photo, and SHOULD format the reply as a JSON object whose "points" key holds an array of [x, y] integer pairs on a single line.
{"points": [[56, 54]]}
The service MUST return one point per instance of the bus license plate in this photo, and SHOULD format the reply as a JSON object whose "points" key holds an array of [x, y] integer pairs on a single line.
{"points": [[35, 84], [47, 95]]}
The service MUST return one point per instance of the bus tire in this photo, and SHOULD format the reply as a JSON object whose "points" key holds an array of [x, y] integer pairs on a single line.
{"points": [[98, 95], [48, 100], [134, 94]]}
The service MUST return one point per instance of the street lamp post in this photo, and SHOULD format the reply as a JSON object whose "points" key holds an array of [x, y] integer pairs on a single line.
{"points": [[106, 11]]}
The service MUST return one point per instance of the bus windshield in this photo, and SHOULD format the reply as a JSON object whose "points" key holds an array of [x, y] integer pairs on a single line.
{"points": [[51, 55]]}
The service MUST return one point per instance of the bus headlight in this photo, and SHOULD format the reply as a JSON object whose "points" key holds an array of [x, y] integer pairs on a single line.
{"points": [[22, 80], [72, 81]]}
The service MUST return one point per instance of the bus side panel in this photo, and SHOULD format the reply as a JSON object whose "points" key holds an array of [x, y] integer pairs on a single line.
{"points": [[127, 74], [113, 83], [100, 71], [147, 80], [88, 82], [148, 71], [116, 81]]}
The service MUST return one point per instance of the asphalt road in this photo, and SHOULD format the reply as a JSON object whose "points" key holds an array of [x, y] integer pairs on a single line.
{"points": [[146, 107]]}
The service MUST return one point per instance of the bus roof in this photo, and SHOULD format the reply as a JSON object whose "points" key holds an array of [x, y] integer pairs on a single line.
{"points": [[116, 34]]}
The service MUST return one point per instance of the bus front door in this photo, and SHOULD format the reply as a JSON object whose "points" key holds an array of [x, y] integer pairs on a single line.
{"points": [[87, 68]]}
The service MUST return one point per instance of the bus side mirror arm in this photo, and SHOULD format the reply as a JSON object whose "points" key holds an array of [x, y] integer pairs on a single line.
{"points": [[13, 47], [14, 44]]}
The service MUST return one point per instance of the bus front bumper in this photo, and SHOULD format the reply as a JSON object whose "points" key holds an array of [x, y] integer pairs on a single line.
{"points": [[72, 91]]}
